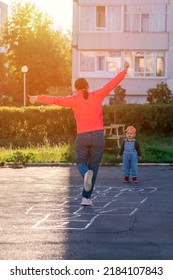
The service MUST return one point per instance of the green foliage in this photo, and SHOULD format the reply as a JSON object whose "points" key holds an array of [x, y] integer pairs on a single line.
{"points": [[155, 149], [33, 42], [3, 69], [22, 127], [149, 118], [20, 157], [120, 94], [5, 100], [161, 94], [34, 125], [42, 154]]}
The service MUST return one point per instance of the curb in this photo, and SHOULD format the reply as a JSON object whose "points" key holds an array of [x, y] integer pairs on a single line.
{"points": [[67, 164]]}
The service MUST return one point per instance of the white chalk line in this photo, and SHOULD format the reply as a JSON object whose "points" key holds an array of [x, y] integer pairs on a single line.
{"points": [[133, 212], [26, 213], [41, 221], [60, 226], [143, 200], [63, 222]]}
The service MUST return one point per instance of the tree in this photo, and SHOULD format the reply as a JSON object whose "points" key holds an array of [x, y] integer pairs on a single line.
{"points": [[118, 98], [32, 41], [160, 94], [3, 68]]}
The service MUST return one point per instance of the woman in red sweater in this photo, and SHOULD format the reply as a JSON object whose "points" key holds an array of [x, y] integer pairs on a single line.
{"points": [[87, 110]]}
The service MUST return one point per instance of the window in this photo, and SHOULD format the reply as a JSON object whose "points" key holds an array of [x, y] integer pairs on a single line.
{"points": [[142, 63], [100, 62], [137, 18], [100, 18], [114, 16], [87, 61], [146, 63], [87, 18], [139, 64], [160, 64], [145, 18], [131, 19], [113, 61], [150, 69], [145, 23]]}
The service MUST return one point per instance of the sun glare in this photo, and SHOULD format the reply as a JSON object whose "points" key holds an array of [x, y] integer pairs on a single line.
{"points": [[59, 10]]}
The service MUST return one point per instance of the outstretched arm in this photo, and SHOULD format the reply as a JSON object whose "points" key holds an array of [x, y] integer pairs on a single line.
{"points": [[67, 101], [105, 90]]}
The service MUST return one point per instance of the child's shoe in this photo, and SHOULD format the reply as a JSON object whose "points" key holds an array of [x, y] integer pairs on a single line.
{"points": [[135, 180], [126, 179]]}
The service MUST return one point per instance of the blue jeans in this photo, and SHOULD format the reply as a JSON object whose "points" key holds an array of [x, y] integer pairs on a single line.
{"points": [[130, 159], [130, 164], [89, 152]]}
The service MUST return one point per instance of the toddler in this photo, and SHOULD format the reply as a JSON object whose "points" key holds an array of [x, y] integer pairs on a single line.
{"points": [[130, 150]]}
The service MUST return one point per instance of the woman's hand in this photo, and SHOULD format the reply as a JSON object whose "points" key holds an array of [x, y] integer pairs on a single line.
{"points": [[33, 99], [126, 66]]}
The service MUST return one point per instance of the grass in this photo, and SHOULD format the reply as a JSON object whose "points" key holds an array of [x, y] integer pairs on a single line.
{"points": [[154, 148], [41, 154]]}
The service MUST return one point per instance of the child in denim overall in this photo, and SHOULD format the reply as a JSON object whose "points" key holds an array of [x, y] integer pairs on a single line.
{"points": [[130, 150]]}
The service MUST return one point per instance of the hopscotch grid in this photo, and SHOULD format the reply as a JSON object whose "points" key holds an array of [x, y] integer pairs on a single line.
{"points": [[67, 220], [76, 215]]}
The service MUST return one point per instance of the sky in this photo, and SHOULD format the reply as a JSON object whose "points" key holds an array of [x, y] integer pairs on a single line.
{"points": [[59, 10]]}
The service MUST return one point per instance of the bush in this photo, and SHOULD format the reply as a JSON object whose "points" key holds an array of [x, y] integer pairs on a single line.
{"points": [[23, 127], [33, 125], [161, 94], [148, 118]]}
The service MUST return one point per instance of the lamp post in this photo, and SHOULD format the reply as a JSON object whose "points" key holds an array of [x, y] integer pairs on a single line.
{"points": [[24, 70]]}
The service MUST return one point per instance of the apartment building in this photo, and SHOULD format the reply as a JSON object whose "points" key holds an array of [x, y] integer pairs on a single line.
{"points": [[3, 12], [3, 17], [108, 32]]}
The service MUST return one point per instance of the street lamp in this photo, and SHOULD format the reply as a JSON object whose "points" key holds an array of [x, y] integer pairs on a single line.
{"points": [[24, 70]]}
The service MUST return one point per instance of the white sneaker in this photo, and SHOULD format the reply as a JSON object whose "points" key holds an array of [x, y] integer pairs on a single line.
{"points": [[86, 201], [88, 180]]}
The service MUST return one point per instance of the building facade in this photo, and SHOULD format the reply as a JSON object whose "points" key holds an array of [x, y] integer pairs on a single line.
{"points": [[3, 17], [3, 12], [108, 32]]}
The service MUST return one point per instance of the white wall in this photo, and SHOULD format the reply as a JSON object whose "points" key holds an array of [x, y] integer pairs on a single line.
{"points": [[136, 87]]}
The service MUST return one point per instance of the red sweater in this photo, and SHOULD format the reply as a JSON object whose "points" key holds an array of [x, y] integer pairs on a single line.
{"points": [[87, 112]]}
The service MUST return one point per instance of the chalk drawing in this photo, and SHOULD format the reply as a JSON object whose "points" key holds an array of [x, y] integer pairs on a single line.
{"points": [[108, 201]]}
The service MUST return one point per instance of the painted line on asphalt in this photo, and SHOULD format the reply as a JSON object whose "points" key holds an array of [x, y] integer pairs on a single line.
{"points": [[133, 212], [26, 213], [143, 200], [45, 199], [78, 219], [91, 221], [41, 221]]}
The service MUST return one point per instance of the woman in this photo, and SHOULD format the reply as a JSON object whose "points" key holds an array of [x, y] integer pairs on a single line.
{"points": [[87, 110]]}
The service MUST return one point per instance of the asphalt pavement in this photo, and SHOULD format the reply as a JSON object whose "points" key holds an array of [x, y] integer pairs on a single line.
{"points": [[41, 217]]}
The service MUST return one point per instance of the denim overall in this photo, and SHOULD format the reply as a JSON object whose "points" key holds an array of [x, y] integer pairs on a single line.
{"points": [[130, 159], [89, 151]]}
